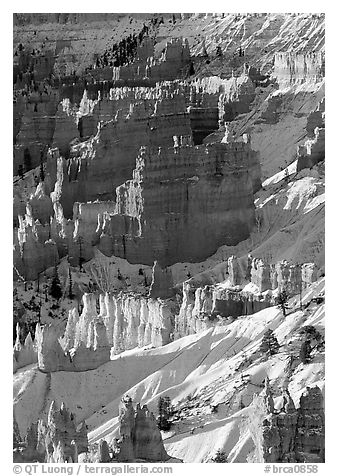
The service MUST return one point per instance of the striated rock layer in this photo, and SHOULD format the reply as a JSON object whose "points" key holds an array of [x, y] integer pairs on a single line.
{"points": [[183, 202]]}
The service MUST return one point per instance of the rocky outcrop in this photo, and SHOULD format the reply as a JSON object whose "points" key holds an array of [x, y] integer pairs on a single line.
{"points": [[290, 434], [161, 283], [34, 251], [83, 346], [295, 68], [57, 440], [124, 322], [313, 150], [247, 288], [24, 354], [139, 435], [184, 202], [208, 306]]}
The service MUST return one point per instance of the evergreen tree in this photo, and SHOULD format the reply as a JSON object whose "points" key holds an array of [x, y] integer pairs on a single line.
{"points": [[81, 258], [70, 292], [269, 344], [305, 352], [42, 172], [282, 300], [27, 160], [55, 289], [310, 332], [164, 413], [191, 69], [20, 171], [220, 457]]}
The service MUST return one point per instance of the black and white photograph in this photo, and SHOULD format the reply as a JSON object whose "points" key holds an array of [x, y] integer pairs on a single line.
{"points": [[168, 239]]}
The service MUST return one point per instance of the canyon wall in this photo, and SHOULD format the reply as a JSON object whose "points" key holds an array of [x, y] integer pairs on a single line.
{"points": [[184, 202], [127, 320]]}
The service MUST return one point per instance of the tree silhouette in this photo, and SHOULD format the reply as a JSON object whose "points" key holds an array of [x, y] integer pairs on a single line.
{"points": [[281, 300], [191, 69], [269, 344], [220, 457], [164, 413], [20, 171], [55, 289], [79, 241], [70, 291], [27, 160], [42, 172], [305, 352]]}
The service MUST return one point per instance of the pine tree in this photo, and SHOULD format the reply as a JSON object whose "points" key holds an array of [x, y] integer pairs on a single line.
{"points": [[191, 69], [164, 413], [20, 171], [305, 352], [81, 258], [220, 457], [42, 172], [70, 292], [55, 289], [282, 300], [269, 345], [27, 160]]}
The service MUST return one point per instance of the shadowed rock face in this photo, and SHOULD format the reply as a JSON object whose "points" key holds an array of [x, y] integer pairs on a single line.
{"points": [[187, 201], [313, 150], [293, 435]]}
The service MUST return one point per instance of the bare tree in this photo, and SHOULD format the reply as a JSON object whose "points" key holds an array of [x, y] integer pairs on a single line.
{"points": [[102, 273]]}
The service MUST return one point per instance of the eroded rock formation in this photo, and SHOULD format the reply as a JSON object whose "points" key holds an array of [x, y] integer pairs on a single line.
{"points": [[247, 288], [124, 322], [293, 434], [139, 435], [57, 440], [26, 353]]}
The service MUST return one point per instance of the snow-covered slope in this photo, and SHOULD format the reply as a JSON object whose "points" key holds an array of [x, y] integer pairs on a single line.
{"points": [[217, 368], [290, 213]]}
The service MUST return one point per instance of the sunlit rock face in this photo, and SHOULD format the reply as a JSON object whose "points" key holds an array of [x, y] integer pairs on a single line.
{"points": [[58, 439], [90, 339], [139, 435], [293, 434]]}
